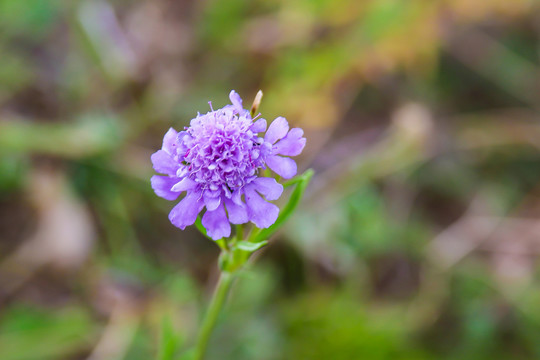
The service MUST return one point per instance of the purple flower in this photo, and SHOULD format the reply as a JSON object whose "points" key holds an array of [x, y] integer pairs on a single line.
{"points": [[217, 160]]}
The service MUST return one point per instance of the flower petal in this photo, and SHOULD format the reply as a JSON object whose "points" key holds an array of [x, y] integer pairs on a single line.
{"points": [[236, 100], [216, 224], [260, 212], [277, 130], [292, 144], [211, 202], [268, 187], [237, 213], [237, 196], [282, 166], [163, 187], [183, 185], [164, 163], [169, 142], [186, 211], [258, 126]]}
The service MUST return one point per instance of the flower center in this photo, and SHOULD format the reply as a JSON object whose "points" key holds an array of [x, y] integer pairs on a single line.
{"points": [[222, 150]]}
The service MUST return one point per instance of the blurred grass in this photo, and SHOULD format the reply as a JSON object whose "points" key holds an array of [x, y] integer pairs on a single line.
{"points": [[417, 239], [30, 333]]}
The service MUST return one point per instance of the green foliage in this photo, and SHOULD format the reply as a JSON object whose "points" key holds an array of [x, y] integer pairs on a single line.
{"points": [[345, 330], [17, 18], [439, 204], [91, 135], [169, 341], [28, 333], [14, 170]]}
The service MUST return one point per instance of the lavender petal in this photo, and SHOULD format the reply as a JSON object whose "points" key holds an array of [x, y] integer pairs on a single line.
{"points": [[277, 130], [292, 144], [186, 211], [268, 187], [260, 212], [216, 224], [284, 167], [163, 187], [164, 163]]}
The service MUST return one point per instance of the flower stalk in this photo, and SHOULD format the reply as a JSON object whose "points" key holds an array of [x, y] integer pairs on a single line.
{"points": [[214, 309]]}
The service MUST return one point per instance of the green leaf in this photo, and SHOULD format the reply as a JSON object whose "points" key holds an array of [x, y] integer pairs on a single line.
{"points": [[293, 181], [302, 182], [250, 246], [169, 341]]}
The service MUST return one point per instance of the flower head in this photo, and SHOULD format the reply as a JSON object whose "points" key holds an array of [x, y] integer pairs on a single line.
{"points": [[217, 162]]}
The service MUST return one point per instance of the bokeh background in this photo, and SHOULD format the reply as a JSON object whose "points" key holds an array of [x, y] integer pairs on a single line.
{"points": [[417, 239]]}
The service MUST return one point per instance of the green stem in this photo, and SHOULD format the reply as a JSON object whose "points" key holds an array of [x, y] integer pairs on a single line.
{"points": [[220, 294], [240, 232]]}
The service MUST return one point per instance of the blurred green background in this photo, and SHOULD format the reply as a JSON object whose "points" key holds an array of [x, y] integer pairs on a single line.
{"points": [[417, 239]]}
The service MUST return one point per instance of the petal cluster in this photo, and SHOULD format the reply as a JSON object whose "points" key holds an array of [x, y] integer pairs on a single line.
{"points": [[217, 162]]}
